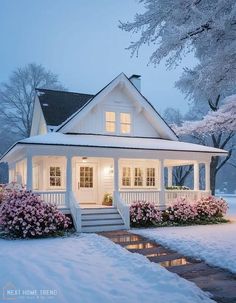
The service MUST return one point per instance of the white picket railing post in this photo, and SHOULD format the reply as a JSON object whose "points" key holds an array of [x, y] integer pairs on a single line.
{"points": [[58, 198], [75, 211]]}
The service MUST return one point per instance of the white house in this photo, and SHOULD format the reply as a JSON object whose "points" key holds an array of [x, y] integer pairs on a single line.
{"points": [[85, 146]]}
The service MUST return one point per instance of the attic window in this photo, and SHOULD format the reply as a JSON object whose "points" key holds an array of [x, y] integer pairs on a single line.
{"points": [[125, 123], [110, 122]]}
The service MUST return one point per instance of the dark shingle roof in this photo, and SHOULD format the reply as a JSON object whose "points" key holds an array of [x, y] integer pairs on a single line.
{"points": [[57, 106]]}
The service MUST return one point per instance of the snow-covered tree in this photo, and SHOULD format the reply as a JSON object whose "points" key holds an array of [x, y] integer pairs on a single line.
{"points": [[216, 129], [205, 27], [17, 95]]}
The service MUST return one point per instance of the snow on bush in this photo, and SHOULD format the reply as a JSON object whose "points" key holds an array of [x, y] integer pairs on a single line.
{"points": [[181, 211], [209, 207], [144, 213], [24, 214]]}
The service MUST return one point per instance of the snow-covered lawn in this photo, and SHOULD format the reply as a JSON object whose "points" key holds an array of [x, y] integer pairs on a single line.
{"points": [[89, 268], [216, 244]]}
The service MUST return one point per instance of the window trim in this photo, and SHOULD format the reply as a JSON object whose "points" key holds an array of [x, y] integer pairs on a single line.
{"points": [[117, 112], [62, 167], [143, 167], [109, 121], [125, 123]]}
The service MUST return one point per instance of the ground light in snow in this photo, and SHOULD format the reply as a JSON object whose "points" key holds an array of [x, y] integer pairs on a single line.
{"points": [[213, 243], [88, 268]]}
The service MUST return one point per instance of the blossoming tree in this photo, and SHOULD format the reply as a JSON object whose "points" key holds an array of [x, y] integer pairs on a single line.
{"points": [[217, 129]]}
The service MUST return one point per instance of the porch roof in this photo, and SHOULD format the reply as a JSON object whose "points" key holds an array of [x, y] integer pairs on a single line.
{"points": [[116, 142]]}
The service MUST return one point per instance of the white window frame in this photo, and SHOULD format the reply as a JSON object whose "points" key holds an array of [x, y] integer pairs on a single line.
{"points": [[110, 121], [62, 167], [118, 112], [143, 166], [125, 123]]}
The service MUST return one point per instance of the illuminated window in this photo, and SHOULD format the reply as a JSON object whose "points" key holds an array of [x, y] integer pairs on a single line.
{"points": [[138, 177], [150, 177], [86, 176], [110, 122], [125, 123], [55, 176], [126, 176]]}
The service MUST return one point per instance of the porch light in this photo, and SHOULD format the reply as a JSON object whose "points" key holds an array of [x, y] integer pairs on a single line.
{"points": [[84, 159]]}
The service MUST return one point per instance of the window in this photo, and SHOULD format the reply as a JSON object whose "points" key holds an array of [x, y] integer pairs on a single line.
{"points": [[55, 176], [138, 176], [126, 176], [150, 177], [110, 122], [86, 176], [125, 123]]}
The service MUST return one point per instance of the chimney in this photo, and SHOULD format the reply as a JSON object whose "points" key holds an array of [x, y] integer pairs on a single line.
{"points": [[136, 80]]}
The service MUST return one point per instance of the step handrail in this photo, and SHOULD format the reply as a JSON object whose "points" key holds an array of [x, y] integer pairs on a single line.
{"points": [[75, 211], [122, 208]]}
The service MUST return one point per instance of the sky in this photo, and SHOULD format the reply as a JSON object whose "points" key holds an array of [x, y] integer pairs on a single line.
{"points": [[80, 41]]}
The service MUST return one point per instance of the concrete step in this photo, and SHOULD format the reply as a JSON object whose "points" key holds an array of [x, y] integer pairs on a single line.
{"points": [[100, 216], [103, 228], [99, 222]]}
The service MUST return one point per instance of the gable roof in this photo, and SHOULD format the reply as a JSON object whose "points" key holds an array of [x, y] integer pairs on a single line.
{"points": [[58, 106], [121, 77]]}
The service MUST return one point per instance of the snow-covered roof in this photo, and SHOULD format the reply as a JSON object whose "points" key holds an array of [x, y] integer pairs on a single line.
{"points": [[107, 141]]}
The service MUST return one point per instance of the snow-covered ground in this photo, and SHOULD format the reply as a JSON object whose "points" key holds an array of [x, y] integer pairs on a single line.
{"points": [[216, 244], [87, 268]]}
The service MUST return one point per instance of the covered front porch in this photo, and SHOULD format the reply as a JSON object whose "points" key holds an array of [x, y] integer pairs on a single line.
{"points": [[98, 181]]}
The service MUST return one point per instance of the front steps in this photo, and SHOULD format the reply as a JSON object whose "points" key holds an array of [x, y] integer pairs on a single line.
{"points": [[101, 219]]}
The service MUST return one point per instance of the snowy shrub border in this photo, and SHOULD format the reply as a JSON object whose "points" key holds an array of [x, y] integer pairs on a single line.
{"points": [[24, 215], [207, 210]]}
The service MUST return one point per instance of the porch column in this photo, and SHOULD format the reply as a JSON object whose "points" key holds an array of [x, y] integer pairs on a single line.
{"points": [[196, 176], [170, 176], [162, 184], [68, 177], [116, 174], [29, 181], [207, 176]]}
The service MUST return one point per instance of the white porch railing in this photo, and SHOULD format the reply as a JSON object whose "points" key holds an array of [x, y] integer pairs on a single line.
{"points": [[122, 208], [55, 197], [75, 211], [190, 195], [129, 196]]}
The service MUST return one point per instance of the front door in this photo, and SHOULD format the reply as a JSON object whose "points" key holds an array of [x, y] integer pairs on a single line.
{"points": [[86, 182]]}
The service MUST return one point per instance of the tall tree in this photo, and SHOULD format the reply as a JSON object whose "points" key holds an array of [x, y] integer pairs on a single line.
{"points": [[17, 96]]}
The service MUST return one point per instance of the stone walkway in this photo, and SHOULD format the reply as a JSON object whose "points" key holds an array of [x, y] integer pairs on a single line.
{"points": [[219, 282]]}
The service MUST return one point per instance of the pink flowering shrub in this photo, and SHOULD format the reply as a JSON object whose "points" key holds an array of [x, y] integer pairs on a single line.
{"points": [[209, 207], [24, 214], [144, 213], [181, 211]]}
